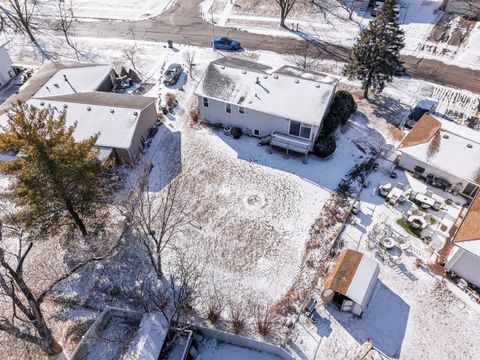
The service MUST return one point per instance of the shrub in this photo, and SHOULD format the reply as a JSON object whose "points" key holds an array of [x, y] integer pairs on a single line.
{"points": [[342, 107], [195, 114], [265, 320], [214, 311], [324, 146], [236, 132], [170, 100]]}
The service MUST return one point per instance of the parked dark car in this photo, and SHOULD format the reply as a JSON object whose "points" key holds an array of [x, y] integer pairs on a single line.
{"points": [[224, 43], [172, 74], [400, 70], [419, 110]]}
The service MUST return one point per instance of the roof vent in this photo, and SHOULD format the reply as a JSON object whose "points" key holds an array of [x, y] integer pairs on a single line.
{"points": [[42, 103], [112, 111], [89, 108], [223, 66], [445, 136], [65, 106], [65, 77], [469, 146], [317, 86], [56, 85], [257, 81], [135, 113], [297, 81], [275, 76], [244, 71], [265, 76]]}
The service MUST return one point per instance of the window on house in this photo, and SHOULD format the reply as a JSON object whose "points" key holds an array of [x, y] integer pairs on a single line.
{"points": [[228, 108], [305, 132], [300, 130], [205, 102], [241, 110], [256, 132], [470, 190]]}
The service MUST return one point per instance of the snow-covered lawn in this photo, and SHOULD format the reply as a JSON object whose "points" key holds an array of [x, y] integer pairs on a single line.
{"points": [[114, 10]]}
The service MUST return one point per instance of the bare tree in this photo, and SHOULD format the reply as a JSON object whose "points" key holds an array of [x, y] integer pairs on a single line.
{"points": [[349, 6], [285, 8], [66, 18], [20, 13], [304, 60], [22, 316], [473, 7], [161, 217], [189, 58]]}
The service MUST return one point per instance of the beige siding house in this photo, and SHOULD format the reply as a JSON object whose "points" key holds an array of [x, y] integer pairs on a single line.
{"points": [[82, 91]]}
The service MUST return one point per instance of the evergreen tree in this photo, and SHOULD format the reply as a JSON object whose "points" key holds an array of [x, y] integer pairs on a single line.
{"points": [[56, 179], [375, 56]]}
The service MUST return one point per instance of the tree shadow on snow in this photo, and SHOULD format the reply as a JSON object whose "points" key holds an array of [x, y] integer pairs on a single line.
{"points": [[166, 154], [384, 321]]}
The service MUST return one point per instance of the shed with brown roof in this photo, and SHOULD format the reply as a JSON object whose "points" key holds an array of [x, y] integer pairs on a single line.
{"points": [[351, 282]]}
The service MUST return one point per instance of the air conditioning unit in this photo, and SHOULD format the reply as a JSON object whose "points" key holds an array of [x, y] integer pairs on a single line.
{"points": [[227, 130]]}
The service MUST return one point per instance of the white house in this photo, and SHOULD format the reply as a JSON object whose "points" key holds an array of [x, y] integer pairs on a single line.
{"points": [[444, 149], [289, 104], [464, 260], [7, 72], [83, 92], [351, 282]]}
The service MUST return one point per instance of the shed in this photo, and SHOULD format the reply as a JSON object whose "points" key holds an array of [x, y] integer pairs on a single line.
{"points": [[351, 282]]}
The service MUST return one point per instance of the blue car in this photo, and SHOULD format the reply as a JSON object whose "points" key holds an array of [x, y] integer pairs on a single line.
{"points": [[224, 43]]}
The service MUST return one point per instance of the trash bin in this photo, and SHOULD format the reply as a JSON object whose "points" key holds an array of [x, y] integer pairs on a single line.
{"points": [[170, 44]]}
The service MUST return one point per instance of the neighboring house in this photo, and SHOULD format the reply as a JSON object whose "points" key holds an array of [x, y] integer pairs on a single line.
{"points": [[351, 282], [7, 72], [83, 92], [289, 104], [444, 149], [464, 260]]}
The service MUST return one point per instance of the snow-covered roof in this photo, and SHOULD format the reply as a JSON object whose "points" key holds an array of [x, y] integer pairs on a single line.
{"points": [[115, 125], [352, 275], [72, 87], [455, 148], [286, 94], [75, 80]]}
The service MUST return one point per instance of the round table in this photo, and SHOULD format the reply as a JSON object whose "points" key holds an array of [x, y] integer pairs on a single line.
{"points": [[388, 243]]}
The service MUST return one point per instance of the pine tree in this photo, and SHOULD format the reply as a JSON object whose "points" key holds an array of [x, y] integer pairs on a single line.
{"points": [[375, 56], [56, 179]]}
